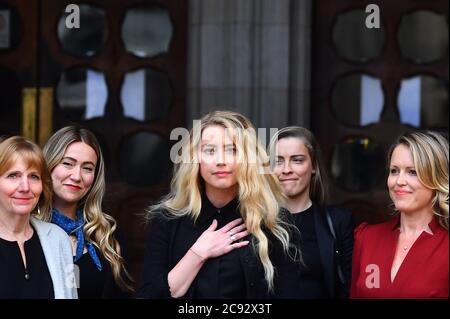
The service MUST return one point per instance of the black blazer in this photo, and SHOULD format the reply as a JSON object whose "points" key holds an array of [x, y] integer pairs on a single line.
{"points": [[335, 251], [170, 238]]}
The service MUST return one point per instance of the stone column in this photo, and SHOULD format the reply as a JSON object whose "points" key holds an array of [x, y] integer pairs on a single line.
{"points": [[251, 56]]}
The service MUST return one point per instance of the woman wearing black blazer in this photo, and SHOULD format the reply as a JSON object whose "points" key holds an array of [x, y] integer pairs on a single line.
{"points": [[326, 232]]}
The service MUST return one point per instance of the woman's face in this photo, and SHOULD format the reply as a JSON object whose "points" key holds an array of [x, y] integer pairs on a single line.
{"points": [[20, 188], [293, 167], [73, 177], [217, 160], [406, 191]]}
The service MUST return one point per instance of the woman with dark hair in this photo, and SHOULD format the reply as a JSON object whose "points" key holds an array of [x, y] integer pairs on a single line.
{"points": [[326, 232]]}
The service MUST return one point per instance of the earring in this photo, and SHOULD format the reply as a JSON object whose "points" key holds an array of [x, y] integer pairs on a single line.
{"points": [[38, 210]]}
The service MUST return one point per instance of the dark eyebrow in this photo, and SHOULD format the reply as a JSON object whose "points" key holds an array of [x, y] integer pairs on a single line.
{"points": [[74, 160], [407, 167], [89, 163], [32, 171], [11, 172]]}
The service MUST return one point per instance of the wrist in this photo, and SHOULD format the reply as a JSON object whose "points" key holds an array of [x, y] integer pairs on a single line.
{"points": [[198, 255], [201, 249]]}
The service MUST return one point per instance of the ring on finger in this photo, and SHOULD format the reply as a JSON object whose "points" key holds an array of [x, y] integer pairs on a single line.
{"points": [[232, 238]]}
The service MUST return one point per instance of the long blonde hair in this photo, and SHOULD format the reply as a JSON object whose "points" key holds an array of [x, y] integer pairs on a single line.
{"points": [[259, 194], [430, 155], [99, 227]]}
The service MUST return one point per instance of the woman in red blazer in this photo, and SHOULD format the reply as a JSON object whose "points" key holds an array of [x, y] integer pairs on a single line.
{"points": [[408, 256]]}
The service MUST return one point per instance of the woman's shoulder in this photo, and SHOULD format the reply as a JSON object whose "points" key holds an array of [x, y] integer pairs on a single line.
{"points": [[285, 215], [287, 220], [51, 229], [339, 212], [365, 229], [161, 215], [163, 219]]}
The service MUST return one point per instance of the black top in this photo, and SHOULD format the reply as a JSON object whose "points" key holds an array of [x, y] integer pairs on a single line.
{"points": [[313, 282], [221, 277], [96, 284], [335, 252], [13, 283], [92, 280], [238, 274]]}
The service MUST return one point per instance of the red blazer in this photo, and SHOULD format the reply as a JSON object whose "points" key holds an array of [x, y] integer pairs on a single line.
{"points": [[423, 273]]}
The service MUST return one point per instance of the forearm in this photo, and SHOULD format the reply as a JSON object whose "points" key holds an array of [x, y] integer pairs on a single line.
{"points": [[183, 274]]}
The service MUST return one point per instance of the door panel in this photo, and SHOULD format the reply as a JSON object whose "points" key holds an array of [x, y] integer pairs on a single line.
{"points": [[126, 198], [129, 92], [18, 56], [361, 78]]}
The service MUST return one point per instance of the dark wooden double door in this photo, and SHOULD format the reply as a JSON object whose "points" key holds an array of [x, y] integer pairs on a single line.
{"points": [[120, 74]]}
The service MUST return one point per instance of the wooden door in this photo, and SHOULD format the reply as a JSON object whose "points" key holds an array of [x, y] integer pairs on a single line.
{"points": [[372, 81], [120, 73], [18, 56]]}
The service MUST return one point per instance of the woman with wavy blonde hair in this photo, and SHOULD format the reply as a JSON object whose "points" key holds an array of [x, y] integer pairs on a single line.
{"points": [[75, 161], [430, 154], [411, 251], [220, 202]]}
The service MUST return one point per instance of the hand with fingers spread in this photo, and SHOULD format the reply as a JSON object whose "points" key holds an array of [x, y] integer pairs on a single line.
{"points": [[213, 243]]}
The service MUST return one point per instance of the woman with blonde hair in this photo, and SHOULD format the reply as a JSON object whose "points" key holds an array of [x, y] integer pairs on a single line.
{"points": [[219, 232], [35, 256], [75, 161], [407, 257]]}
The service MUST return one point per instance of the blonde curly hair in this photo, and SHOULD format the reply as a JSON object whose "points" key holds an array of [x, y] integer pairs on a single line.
{"points": [[99, 227], [259, 194]]}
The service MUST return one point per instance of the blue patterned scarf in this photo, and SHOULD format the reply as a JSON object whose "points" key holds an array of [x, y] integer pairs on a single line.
{"points": [[75, 227]]}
